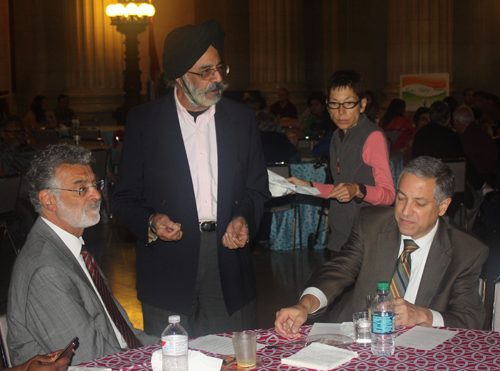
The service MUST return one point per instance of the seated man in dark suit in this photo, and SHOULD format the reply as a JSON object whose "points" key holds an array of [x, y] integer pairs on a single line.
{"points": [[57, 291], [443, 283]]}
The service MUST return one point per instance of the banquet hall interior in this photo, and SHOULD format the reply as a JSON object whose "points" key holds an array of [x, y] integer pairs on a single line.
{"points": [[53, 47]]}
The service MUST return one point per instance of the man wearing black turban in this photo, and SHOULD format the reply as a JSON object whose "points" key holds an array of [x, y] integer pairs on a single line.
{"points": [[191, 187]]}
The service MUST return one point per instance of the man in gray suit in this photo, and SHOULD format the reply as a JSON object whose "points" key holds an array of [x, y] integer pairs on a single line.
{"points": [[443, 284], [57, 291]]}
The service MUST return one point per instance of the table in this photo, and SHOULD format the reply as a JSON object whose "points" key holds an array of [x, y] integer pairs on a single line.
{"points": [[282, 226], [467, 350]]}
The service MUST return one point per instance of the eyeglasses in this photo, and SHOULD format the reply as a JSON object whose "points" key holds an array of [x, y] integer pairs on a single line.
{"points": [[210, 72], [346, 105], [82, 191], [16, 132]]}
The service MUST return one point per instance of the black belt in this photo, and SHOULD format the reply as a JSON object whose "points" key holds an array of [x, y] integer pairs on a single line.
{"points": [[206, 227]]}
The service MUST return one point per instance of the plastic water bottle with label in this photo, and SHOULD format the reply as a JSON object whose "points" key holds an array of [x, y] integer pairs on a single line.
{"points": [[383, 322], [174, 340]]}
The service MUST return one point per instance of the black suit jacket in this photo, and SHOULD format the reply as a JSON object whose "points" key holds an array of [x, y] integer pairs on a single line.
{"points": [[450, 281], [154, 177]]}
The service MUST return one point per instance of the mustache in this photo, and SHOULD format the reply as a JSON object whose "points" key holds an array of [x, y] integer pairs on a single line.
{"points": [[93, 205], [216, 86]]}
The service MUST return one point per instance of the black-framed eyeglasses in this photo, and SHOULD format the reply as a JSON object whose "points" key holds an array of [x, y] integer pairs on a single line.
{"points": [[16, 132], [82, 191], [346, 105], [210, 72]]}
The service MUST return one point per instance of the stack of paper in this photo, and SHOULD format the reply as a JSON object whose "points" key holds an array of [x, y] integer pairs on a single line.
{"points": [[320, 357]]}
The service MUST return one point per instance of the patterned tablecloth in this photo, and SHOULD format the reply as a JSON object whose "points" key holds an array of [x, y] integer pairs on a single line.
{"points": [[467, 350], [310, 206]]}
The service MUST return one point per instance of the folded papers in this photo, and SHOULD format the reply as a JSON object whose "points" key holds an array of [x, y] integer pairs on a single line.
{"points": [[320, 357], [279, 186], [196, 361]]}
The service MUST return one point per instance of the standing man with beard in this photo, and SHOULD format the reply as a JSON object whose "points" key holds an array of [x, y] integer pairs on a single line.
{"points": [[192, 186], [57, 291]]}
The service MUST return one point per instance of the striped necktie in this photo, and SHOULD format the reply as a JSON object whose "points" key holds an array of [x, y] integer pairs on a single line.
{"points": [[402, 273], [108, 300]]}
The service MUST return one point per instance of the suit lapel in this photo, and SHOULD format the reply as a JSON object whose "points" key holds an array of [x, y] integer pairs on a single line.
{"points": [[435, 267], [387, 252]]}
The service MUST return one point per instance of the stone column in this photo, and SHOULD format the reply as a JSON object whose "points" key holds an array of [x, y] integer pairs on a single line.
{"points": [[94, 60], [277, 49], [420, 40]]}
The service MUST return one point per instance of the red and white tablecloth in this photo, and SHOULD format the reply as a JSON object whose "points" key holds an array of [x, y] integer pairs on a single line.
{"points": [[467, 350]]}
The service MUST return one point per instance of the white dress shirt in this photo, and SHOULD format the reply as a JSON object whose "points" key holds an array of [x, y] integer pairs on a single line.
{"points": [[74, 244], [418, 260], [200, 142]]}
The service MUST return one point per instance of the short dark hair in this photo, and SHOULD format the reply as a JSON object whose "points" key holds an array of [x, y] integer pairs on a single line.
{"points": [[41, 174], [466, 90], [61, 96], [426, 167], [419, 112], [8, 119], [346, 79], [439, 112], [317, 95]]}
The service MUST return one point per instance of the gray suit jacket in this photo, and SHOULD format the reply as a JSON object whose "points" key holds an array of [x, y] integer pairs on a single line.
{"points": [[51, 301], [449, 282]]}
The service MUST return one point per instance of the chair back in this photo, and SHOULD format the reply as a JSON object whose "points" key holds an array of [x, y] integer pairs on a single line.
{"points": [[9, 191], [495, 317], [46, 136], [459, 167], [3, 337]]}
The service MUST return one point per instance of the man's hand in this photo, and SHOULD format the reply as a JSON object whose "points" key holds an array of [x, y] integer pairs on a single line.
{"points": [[166, 229], [345, 192], [408, 314], [298, 182], [236, 235], [289, 320], [45, 363]]}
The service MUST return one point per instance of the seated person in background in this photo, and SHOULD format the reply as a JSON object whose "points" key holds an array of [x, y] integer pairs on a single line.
{"points": [[15, 157], [453, 104], [276, 146], [394, 118], [436, 139], [372, 106], [44, 363], [283, 108], [445, 263], [469, 97], [56, 290], [489, 105], [63, 113], [404, 142], [318, 121], [38, 116]]}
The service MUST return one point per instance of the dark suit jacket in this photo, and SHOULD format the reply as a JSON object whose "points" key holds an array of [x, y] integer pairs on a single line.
{"points": [[154, 177], [449, 282], [51, 301]]}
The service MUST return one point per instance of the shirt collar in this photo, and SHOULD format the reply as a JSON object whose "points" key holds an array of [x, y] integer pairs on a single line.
{"points": [[186, 115], [424, 242], [73, 243]]}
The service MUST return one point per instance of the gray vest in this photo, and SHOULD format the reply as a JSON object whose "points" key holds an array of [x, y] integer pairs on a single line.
{"points": [[347, 166]]}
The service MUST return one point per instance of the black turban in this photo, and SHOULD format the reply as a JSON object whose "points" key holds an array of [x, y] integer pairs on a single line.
{"points": [[185, 45]]}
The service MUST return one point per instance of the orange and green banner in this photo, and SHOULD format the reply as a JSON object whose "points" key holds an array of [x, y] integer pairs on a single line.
{"points": [[424, 89]]}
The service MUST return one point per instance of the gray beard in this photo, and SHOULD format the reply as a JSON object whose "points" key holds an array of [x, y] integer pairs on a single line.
{"points": [[198, 98]]}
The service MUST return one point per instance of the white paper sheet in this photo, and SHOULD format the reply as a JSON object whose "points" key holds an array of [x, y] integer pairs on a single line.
{"points": [[425, 338], [77, 368], [279, 186], [216, 344], [345, 328], [196, 361], [320, 357]]}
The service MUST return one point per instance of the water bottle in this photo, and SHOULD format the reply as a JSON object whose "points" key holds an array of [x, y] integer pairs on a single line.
{"points": [[174, 340], [383, 322]]}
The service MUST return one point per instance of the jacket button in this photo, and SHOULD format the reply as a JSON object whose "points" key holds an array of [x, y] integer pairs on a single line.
{"points": [[163, 202]]}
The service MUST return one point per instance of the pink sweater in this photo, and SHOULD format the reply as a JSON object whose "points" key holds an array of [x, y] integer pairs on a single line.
{"points": [[375, 155]]}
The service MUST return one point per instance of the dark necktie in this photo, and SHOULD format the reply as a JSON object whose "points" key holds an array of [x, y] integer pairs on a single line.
{"points": [[107, 298], [403, 270]]}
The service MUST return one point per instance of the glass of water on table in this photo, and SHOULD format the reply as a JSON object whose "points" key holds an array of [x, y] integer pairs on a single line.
{"points": [[362, 329]]}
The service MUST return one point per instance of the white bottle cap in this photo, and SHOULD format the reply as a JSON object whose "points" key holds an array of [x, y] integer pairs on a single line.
{"points": [[174, 319]]}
